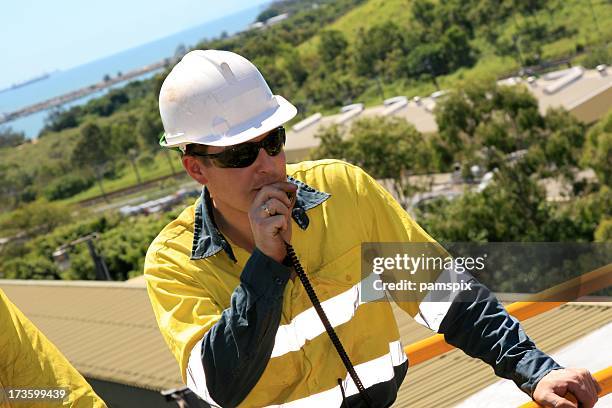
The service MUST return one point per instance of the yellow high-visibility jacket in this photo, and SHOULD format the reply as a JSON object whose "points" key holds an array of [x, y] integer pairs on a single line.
{"points": [[29, 361], [246, 335]]}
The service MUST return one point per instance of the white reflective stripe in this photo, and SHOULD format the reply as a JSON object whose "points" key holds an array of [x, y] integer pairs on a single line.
{"points": [[196, 379], [307, 325], [370, 373], [396, 351], [435, 304]]}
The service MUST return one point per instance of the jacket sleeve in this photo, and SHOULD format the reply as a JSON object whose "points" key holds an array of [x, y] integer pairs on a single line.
{"points": [[236, 350], [480, 326], [221, 352]]}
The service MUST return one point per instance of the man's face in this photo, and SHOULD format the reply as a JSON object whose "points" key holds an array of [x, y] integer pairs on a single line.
{"points": [[236, 187]]}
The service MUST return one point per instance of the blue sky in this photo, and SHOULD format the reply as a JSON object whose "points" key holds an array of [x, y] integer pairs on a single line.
{"points": [[38, 36]]}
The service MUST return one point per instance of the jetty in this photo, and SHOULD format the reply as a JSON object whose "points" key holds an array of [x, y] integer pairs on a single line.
{"points": [[80, 93]]}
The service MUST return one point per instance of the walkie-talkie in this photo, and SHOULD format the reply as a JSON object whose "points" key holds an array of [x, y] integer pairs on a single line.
{"points": [[295, 262]]}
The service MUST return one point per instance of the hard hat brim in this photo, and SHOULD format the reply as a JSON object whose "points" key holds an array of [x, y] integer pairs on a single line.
{"points": [[282, 113]]}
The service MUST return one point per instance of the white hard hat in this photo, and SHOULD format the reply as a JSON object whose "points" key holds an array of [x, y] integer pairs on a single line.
{"points": [[218, 98]]}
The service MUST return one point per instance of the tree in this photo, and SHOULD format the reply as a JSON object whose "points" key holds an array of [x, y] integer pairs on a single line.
{"points": [[504, 117], [10, 137], [332, 46], [124, 140], [332, 145], [92, 152], [597, 152], [373, 46], [387, 148], [150, 129], [457, 50], [37, 218], [603, 233], [30, 268], [512, 208], [60, 119]]}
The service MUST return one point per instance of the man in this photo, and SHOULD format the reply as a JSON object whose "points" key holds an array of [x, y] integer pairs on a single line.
{"points": [[31, 365], [242, 328]]}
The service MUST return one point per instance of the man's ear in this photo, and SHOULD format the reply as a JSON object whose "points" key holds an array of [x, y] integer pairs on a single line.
{"points": [[195, 168]]}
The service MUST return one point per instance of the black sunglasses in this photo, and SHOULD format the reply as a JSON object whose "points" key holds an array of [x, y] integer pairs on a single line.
{"points": [[245, 154]]}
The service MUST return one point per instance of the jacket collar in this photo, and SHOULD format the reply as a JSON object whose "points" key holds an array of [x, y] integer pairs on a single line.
{"points": [[208, 240]]}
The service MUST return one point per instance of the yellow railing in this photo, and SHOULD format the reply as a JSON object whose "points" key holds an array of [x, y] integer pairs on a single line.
{"points": [[574, 288], [603, 377]]}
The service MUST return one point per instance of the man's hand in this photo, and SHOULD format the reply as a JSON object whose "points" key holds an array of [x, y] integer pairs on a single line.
{"points": [[551, 389], [270, 217]]}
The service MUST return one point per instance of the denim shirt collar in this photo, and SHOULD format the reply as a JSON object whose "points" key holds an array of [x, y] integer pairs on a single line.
{"points": [[208, 240]]}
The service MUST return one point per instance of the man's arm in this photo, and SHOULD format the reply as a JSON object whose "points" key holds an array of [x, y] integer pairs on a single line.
{"points": [[480, 326], [227, 363], [232, 346], [477, 323]]}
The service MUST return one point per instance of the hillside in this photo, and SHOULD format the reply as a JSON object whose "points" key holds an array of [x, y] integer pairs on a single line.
{"points": [[324, 55], [567, 29], [373, 49]]}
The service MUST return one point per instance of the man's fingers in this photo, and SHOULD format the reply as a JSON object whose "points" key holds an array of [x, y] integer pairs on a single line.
{"points": [[584, 389], [552, 400], [274, 207], [276, 190], [275, 224]]}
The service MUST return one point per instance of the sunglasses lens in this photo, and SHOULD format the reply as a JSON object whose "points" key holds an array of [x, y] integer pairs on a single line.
{"points": [[245, 154], [274, 142], [239, 156]]}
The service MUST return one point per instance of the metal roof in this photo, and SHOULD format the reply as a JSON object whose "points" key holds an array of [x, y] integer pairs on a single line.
{"points": [[108, 331], [447, 380]]}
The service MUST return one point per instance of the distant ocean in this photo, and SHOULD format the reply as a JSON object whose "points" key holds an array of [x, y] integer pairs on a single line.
{"points": [[62, 82]]}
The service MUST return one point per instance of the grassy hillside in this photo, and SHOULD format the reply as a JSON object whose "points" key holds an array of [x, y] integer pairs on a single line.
{"points": [[383, 44], [582, 25], [363, 17]]}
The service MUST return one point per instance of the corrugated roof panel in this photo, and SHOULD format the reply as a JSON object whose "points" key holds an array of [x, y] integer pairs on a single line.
{"points": [[109, 332], [450, 378]]}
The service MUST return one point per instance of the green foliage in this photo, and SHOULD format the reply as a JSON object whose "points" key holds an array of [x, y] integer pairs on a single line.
{"points": [[34, 267], [386, 147], [149, 127], [10, 137], [603, 233], [485, 114], [36, 218], [267, 13], [596, 56], [373, 47], [597, 152], [580, 218], [332, 48], [92, 149], [512, 208], [332, 145], [104, 106], [67, 186], [122, 243]]}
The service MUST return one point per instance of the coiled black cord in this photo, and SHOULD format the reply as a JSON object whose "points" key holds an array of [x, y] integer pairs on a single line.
{"points": [[328, 327]]}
